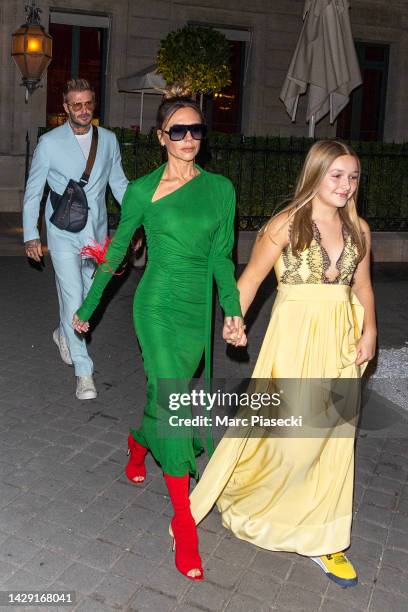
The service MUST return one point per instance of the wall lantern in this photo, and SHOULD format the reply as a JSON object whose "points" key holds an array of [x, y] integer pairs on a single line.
{"points": [[31, 49]]}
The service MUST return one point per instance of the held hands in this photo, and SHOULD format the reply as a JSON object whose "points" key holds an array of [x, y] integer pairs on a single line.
{"points": [[366, 347], [33, 249], [234, 331], [78, 325]]}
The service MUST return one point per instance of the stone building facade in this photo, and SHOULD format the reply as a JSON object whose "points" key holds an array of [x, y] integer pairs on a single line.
{"points": [[134, 28]]}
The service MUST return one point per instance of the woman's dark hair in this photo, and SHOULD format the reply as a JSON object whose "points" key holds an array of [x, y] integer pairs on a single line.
{"points": [[175, 97]]}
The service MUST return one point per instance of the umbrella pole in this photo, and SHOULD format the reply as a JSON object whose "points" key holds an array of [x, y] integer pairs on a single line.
{"points": [[141, 113], [312, 126]]}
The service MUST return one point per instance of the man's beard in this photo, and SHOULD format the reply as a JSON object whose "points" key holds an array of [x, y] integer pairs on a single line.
{"points": [[79, 126]]}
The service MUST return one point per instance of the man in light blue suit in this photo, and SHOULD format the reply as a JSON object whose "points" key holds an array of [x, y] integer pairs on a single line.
{"points": [[61, 155]]}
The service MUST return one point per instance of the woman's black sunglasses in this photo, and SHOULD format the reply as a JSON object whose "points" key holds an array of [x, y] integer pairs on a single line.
{"points": [[178, 131]]}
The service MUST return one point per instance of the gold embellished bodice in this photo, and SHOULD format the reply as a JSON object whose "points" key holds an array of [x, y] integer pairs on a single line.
{"points": [[312, 264]]}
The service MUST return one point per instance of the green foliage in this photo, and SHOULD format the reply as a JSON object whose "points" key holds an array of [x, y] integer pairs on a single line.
{"points": [[197, 57]]}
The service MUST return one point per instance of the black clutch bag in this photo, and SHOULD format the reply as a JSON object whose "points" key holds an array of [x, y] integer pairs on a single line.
{"points": [[71, 208]]}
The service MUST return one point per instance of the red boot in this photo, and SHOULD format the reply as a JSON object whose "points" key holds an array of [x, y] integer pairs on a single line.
{"points": [[188, 559], [136, 469]]}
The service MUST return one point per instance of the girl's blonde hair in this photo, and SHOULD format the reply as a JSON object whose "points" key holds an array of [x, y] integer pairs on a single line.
{"points": [[318, 160]]}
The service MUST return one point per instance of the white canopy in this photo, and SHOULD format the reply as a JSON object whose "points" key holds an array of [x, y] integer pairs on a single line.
{"points": [[145, 81]]}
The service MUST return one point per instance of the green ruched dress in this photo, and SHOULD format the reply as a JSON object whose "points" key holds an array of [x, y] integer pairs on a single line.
{"points": [[190, 235]]}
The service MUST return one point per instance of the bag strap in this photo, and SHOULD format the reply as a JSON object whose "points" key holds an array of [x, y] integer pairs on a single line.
{"points": [[91, 157]]}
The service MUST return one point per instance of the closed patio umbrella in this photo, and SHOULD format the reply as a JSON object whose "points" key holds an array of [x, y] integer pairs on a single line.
{"points": [[144, 81], [325, 59]]}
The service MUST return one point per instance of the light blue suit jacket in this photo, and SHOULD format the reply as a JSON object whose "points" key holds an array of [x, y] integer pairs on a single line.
{"points": [[57, 158]]}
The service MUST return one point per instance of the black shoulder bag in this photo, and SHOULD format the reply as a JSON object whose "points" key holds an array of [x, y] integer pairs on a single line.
{"points": [[71, 208]]}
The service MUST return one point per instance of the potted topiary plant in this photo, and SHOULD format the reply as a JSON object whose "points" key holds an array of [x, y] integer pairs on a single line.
{"points": [[197, 57]]}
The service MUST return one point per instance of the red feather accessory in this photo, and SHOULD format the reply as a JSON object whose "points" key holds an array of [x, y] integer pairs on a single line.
{"points": [[97, 252]]}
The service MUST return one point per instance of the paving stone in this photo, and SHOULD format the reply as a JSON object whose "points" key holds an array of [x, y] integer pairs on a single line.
{"points": [[231, 548], [375, 514], [81, 577], [18, 551], [22, 580], [398, 539], [37, 530], [99, 449], [92, 605], [309, 577], [395, 558], [208, 596], [168, 579], [118, 534], [6, 570], [49, 487], [151, 547], [221, 573], [271, 563], [67, 542], [242, 603], [137, 518], [257, 586], [392, 579], [78, 496], [384, 600], [400, 522], [357, 596], [148, 599], [377, 498], [7, 493], [365, 548], [115, 590], [149, 499], [48, 564], [101, 555], [369, 531], [297, 598], [134, 567]]}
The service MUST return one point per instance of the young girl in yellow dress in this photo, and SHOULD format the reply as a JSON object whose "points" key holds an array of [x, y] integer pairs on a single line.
{"points": [[295, 493]]}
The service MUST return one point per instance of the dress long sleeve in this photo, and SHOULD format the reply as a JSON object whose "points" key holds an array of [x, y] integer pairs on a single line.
{"points": [[131, 219], [223, 265]]}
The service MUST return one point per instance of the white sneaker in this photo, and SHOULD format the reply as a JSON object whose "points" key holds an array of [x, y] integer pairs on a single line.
{"points": [[62, 344], [85, 388]]}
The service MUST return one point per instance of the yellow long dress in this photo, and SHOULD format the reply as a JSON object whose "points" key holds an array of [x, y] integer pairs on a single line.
{"points": [[295, 493]]}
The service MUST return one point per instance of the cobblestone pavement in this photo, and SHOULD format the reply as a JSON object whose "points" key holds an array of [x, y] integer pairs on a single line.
{"points": [[70, 520]]}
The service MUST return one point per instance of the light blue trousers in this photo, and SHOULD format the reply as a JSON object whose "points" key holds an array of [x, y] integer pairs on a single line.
{"points": [[73, 276]]}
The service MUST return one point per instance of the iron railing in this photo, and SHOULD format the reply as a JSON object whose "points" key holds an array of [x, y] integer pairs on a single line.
{"points": [[264, 172]]}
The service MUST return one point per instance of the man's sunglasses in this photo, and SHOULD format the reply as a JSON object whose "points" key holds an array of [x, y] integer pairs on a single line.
{"points": [[77, 106], [179, 131]]}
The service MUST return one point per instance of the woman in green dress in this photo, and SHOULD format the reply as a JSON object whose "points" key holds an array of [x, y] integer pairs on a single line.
{"points": [[188, 216]]}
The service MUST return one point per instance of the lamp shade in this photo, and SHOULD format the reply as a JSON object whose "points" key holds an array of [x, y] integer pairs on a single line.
{"points": [[31, 49]]}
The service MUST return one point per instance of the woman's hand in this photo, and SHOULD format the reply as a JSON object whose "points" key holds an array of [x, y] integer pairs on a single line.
{"points": [[78, 325], [366, 347], [234, 331]]}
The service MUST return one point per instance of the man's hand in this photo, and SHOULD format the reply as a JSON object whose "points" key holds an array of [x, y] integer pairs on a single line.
{"points": [[33, 249]]}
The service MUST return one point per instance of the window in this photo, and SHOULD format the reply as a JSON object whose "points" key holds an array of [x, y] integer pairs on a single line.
{"points": [[79, 50], [363, 117], [223, 110]]}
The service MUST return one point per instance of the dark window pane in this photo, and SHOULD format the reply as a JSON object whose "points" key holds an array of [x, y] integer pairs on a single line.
{"points": [[374, 53], [363, 117], [59, 71], [223, 110], [371, 104], [90, 60]]}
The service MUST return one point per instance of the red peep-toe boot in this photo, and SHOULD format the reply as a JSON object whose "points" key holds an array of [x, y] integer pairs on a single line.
{"points": [[136, 469], [188, 560]]}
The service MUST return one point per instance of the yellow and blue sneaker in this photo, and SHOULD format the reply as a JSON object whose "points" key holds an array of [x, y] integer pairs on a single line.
{"points": [[338, 568]]}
